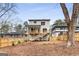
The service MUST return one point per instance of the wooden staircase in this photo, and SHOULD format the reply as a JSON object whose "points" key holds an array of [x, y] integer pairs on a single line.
{"points": [[44, 37]]}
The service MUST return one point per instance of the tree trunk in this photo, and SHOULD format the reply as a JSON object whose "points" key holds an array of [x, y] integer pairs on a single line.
{"points": [[70, 22], [70, 35]]}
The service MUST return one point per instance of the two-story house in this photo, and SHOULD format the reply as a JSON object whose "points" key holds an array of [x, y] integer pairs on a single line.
{"points": [[38, 26]]}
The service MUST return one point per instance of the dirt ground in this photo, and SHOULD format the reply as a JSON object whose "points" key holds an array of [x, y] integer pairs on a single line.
{"points": [[45, 48]]}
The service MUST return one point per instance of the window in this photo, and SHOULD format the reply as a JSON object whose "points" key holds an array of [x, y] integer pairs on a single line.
{"points": [[44, 29], [42, 23], [57, 28], [77, 28], [34, 21]]}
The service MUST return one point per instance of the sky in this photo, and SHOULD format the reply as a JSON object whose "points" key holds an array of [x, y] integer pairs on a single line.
{"points": [[50, 11]]}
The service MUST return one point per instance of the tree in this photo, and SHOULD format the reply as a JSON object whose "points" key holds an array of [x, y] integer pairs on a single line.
{"points": [[25, 23], [70, 22], [5, 8], [25, 29], [6, 11], [18, 28], [59, 22], [5, 28]]}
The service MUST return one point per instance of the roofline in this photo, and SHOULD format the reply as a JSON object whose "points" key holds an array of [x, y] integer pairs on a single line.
{"points": [[65, 26], [39, 19], [34, 25]]}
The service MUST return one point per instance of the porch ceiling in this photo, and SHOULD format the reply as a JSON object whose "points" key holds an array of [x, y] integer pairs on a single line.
{"points": [[34, 26]]}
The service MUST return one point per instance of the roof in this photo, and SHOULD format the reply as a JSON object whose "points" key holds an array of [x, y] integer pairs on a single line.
{"points": [[56, 26], [61, 26], [39, 19]]}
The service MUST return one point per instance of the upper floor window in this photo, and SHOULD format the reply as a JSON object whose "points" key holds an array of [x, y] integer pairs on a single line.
{"points": [[34, 21], [42, 23]]}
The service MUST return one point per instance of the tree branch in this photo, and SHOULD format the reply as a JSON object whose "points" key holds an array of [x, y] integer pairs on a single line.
{"points": [[6, 11], [75, 12], [65, 12]]}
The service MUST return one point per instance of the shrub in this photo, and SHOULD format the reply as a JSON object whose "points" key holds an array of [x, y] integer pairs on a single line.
{"points": [[13, 44]]}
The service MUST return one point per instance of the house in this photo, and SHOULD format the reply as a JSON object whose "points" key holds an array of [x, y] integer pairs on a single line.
{"points": [[62, 29], [38, 26], [59, 32]]}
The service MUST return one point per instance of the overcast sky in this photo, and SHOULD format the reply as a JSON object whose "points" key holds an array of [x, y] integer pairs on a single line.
{"points": [[51, 11]]}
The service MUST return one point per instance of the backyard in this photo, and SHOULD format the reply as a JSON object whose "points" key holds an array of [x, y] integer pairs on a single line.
{"points": [[44, 48]]}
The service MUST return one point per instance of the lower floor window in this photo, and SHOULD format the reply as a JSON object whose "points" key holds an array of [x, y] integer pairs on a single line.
{"points": [[44, 29]]}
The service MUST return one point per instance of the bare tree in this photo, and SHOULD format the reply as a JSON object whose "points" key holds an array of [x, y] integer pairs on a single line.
{"points": [[6, 12], [70, 22], [5, 8], [25, 29], [18, 28], [5, 28]]}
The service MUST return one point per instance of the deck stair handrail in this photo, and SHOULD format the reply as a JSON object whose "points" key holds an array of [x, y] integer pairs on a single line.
{"points": [[42, 37]]}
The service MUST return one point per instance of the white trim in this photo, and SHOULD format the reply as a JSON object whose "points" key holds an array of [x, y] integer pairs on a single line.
{"points": [[64, 30]]}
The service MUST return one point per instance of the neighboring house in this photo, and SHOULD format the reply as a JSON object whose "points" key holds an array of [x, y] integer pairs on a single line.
{"points": [[38, 26], [57, 30]]}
